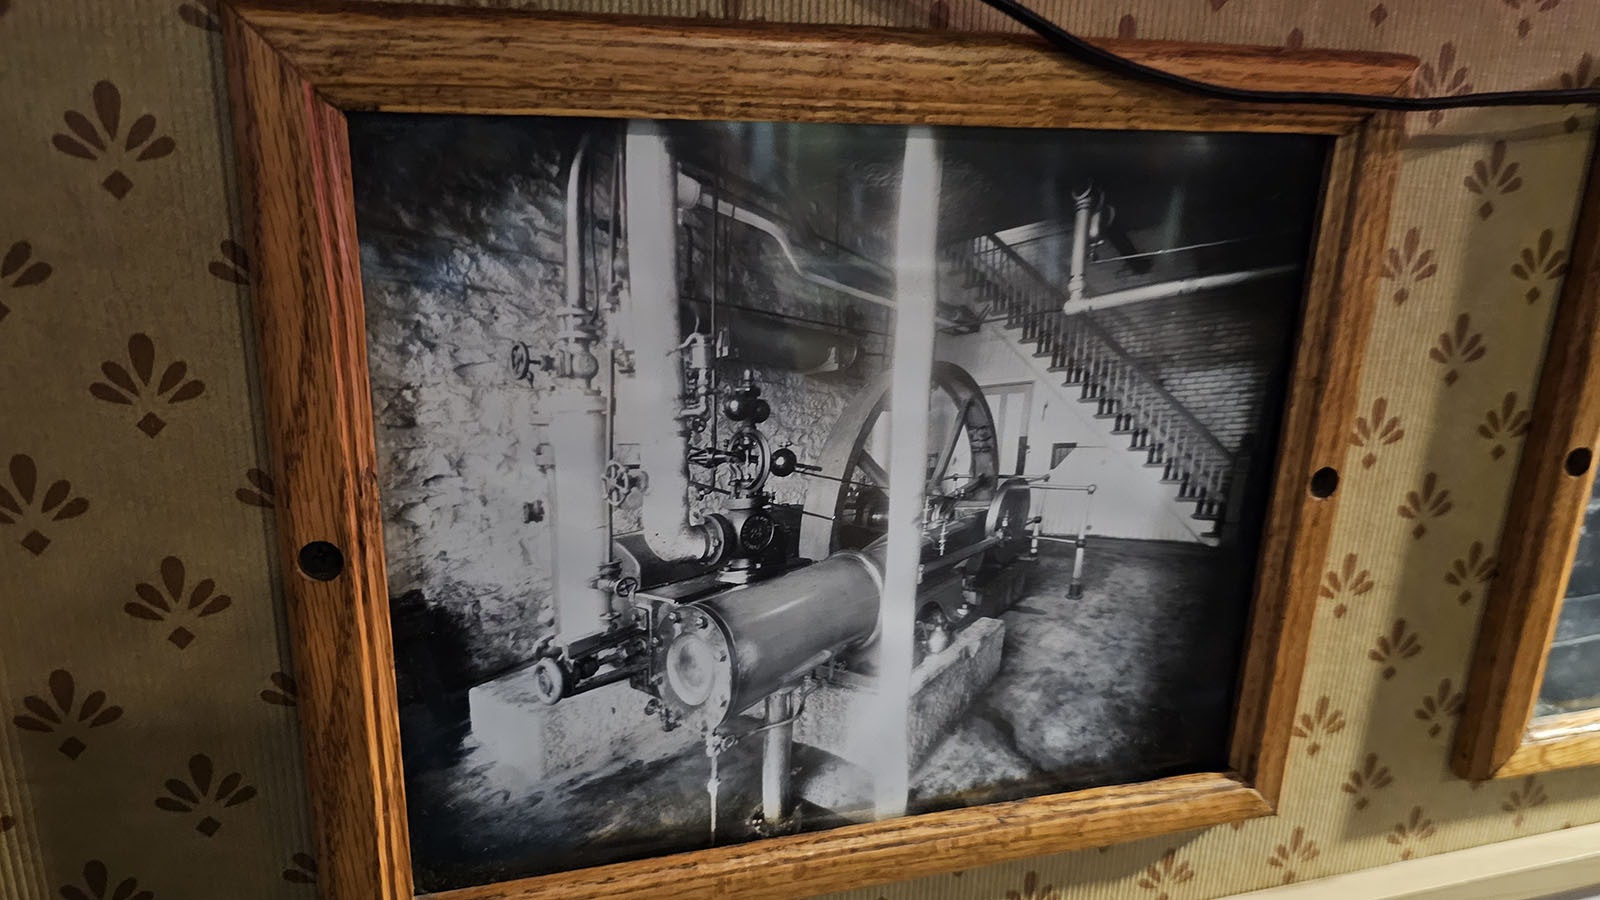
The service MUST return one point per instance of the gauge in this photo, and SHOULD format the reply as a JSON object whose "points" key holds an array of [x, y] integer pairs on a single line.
{"points": [[756, 533]]}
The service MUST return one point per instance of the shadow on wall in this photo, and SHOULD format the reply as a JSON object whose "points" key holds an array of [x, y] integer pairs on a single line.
{"points": [[461, 224]]}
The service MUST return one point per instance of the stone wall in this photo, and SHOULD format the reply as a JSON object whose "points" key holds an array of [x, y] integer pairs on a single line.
{"points": [[461, 225]]}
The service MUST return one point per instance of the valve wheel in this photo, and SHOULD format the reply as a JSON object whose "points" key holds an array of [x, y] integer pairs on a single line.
{"points": [[521, 360], [750, 455], [549, 681], [618, 482]]}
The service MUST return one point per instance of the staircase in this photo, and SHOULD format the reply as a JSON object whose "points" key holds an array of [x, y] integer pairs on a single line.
{"points": [[1121, 389]]}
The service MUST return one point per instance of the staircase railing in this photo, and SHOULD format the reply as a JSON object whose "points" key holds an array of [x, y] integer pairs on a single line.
{"points": [[1123, 390]]}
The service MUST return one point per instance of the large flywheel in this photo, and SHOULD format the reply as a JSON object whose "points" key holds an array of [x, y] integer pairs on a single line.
{"points": [[847, 508]]}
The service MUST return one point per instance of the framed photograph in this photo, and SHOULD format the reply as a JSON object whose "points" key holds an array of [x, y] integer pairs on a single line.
{"points": [[763, 460], [1533, 698]]}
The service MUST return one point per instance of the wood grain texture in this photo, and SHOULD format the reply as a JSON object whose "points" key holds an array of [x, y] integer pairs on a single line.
{"points": [[802, 865], [1556, 742], [1337, 319], [1541, 536], [295, 181], [410, 59], [292, 72]]}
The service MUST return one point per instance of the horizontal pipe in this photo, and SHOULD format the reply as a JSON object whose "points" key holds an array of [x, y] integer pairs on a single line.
{"points": [[691, 193], [1182, 287]]}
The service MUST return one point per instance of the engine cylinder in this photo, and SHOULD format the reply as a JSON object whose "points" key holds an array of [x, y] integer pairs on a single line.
{"points": [[727, 652]]}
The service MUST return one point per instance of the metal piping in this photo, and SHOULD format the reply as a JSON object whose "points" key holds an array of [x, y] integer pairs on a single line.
{"points": [[581, 544], [573, 239], [1182, 287], [651, 309], [691, 193]]}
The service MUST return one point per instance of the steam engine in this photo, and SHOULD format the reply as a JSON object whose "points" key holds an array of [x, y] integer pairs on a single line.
{"points": [[725, 607]]}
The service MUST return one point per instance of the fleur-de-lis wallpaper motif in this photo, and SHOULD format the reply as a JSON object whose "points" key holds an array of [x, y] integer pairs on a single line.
{"points": [[1540, 264], [86, 141], [201, 15], [1032, 890], [1530, 7], [1361, 783], [1504, 423], [200, 796], [61, 714], [233, 266], [1493, 176], [260, 489], [97, 886], [1470, 572], [1582, 75], [1433, 272], [1321, 723], [1458, 347], [170, 605], [1160, 876], [1428, 502], [1394, 647], [134, 389], [1377, 429], [281, 690], [1406, 835], [302, 869], [1523, 798], [56, 504], [1438, 706], [18, 269], [1298, 849], [1345, 584], [1441, 77], [1408, 264]]}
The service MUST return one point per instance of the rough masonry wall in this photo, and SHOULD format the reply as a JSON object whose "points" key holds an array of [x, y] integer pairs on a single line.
{"points": [[461, 232]]}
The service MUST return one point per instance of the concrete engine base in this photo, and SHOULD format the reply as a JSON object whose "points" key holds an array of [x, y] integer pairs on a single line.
{"points": [[839, 716]]}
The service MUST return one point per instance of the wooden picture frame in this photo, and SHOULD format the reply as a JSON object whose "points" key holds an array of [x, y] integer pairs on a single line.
{"points": [[1499, 736], [295, 71]]}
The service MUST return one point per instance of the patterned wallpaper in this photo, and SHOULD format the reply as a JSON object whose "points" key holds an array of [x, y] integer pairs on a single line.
{"points": [[148, 746]]}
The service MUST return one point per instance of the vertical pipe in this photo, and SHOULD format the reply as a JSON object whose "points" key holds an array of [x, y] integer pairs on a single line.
{"points": [[776, 793], [915, 274], [650, 185], [578, 446], [1075, 587], [574, 233]]}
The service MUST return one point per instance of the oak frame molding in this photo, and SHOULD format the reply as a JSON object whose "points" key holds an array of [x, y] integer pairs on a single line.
{"points": [[293, 73], [1497, 736]]}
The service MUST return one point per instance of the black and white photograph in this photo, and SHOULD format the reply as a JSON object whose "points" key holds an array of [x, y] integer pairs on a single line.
{"points": [[1572, 668], [744, 479]]}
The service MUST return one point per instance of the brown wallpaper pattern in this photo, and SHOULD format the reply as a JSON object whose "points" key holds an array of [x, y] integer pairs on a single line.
{"points": [[148, 746]]}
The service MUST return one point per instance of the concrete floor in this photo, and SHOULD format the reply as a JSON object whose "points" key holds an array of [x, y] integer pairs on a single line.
{"points": [[1130, 682]]}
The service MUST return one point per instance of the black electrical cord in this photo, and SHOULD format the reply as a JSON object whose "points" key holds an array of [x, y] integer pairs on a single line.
{"points": [[1077, 48]]}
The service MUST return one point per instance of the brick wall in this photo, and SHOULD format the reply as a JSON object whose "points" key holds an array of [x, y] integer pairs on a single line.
{"points": [[1218, 353]]}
